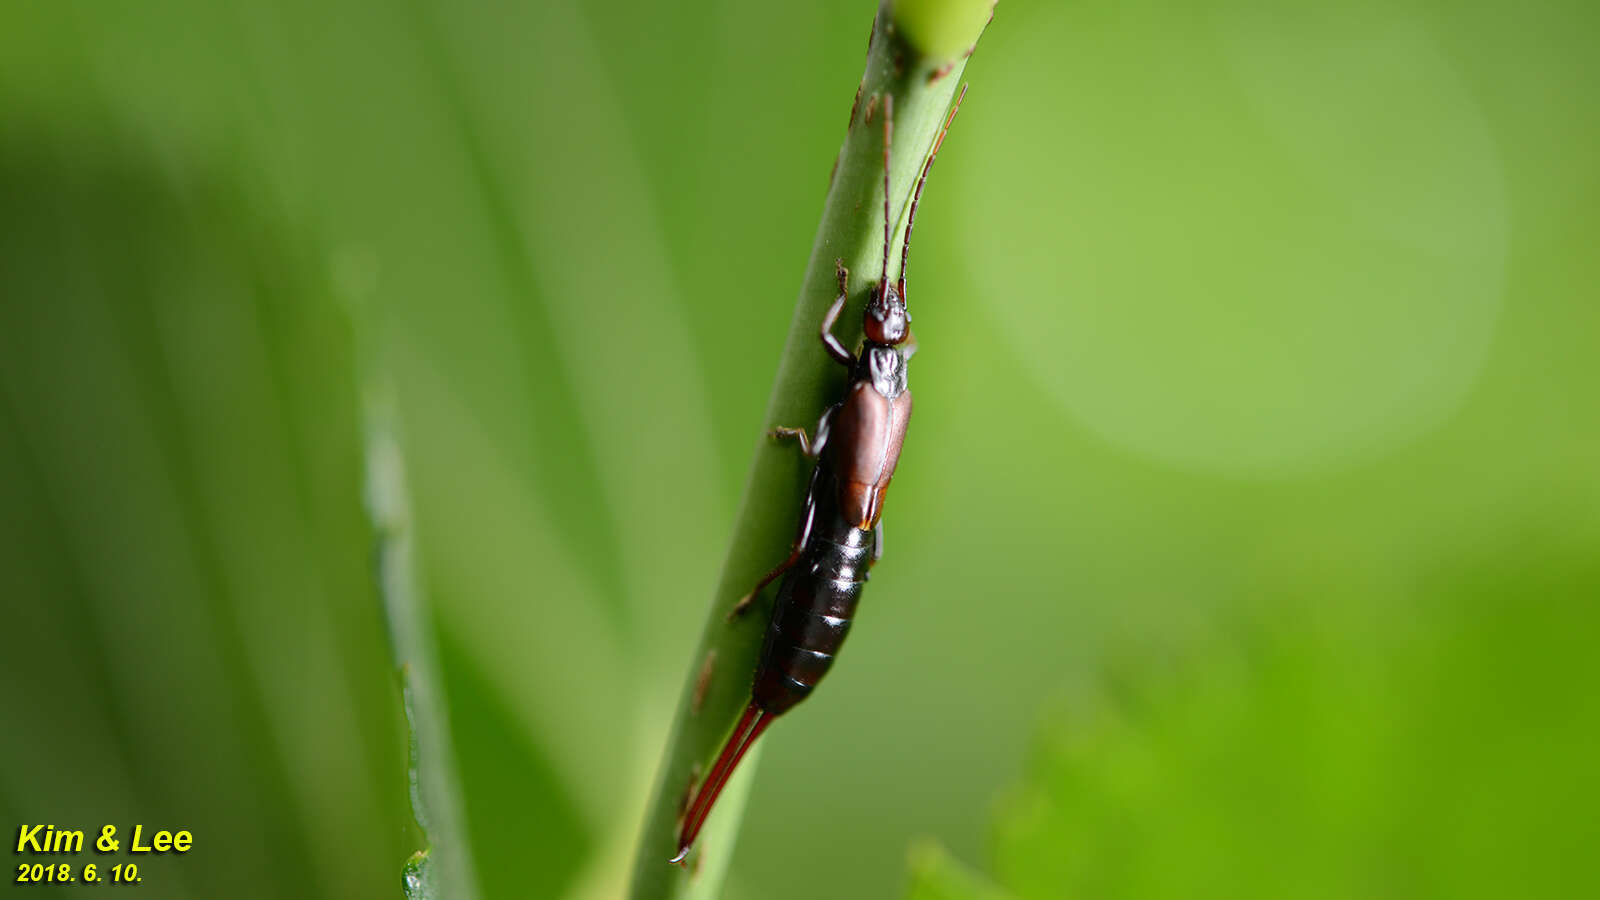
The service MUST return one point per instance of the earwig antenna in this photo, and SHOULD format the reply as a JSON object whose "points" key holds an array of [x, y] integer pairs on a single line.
{"points": [[888, 137], [911, 217]]}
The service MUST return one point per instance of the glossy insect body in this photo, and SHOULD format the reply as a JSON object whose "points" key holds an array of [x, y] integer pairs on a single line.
{"points": [[856, 447], [812, 615]]}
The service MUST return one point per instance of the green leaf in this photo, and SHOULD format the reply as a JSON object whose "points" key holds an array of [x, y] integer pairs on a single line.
{"points": [[936, 875], [1418, 748], [183, 549], [418, 876], [520, 814], [445, 866]]}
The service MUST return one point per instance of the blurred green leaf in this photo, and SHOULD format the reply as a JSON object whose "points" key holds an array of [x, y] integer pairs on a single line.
{"points": [[1381, 751], [184, 537], [520, 815], [445, 866], [418, 875], [936, 875]]}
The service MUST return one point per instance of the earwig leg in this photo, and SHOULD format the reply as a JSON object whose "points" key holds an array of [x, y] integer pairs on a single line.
{"points": [[811, 447], [909, 348], [798, 434], [877, 542], [807, 517], [824, 425], [836, 349]]}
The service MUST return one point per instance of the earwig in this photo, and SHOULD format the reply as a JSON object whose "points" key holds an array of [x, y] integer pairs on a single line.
{"points": [[855, 446]]}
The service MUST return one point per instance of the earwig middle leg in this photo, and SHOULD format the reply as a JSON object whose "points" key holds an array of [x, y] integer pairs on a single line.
{"points": [[798, 434], [807, 518], [836, 349], [810, 446]]}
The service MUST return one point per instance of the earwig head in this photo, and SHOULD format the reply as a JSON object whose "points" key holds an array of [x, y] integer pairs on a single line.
{"points": [[886, 320]]}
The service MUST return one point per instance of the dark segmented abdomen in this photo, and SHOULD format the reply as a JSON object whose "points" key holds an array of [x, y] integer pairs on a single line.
{"points": [[813, 611]]}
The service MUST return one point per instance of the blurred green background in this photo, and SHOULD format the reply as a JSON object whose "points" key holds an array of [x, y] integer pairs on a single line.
{"points": [[1246, 543]]}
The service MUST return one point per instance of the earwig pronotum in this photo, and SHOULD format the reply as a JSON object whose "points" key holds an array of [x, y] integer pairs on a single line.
{"points": [[856, 446]]}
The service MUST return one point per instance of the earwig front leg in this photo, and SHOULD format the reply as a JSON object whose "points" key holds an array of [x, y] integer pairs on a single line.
{"points": [[807, 517], [909, 348], [836, 349]]}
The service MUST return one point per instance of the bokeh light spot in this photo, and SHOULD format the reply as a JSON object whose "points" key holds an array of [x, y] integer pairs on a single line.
{"points": [[1245, 240]]}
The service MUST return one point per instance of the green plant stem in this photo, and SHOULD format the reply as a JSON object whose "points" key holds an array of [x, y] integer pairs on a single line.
{"points": [[922, 83]]}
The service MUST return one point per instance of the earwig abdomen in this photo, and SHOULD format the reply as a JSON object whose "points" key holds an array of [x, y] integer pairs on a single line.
{"points": [[813, 610]]}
